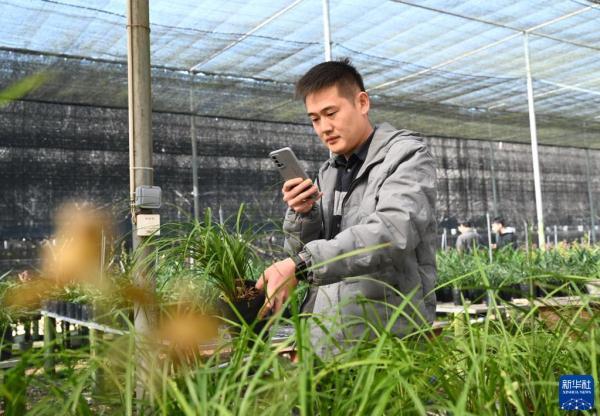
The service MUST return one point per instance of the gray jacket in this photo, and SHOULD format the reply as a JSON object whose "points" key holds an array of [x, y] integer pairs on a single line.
{"points": [[467, 241], [391, 202]]}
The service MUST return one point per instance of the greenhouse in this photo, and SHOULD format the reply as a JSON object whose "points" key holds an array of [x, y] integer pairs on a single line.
{"points": [[153, 259]]}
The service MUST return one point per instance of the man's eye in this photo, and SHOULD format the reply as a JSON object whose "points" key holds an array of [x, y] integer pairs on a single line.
{"points": [[331, 114], [314, 120]]}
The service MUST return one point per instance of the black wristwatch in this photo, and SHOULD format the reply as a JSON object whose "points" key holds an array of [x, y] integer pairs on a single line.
{"points": [[300, 260]]}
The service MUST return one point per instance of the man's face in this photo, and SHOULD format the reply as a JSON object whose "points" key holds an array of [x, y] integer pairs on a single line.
{"points": [[496, 226], [341, 124]]}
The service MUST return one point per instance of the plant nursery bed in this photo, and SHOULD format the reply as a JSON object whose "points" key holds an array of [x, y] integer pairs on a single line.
{"points": [[472, 309]]}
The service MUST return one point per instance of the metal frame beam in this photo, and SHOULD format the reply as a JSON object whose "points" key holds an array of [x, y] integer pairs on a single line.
{"points": [[247, 34], [477, 50]]}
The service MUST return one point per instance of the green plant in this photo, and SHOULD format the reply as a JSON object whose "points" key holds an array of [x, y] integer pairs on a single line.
{"points": [[504, 365], [194, 253]]}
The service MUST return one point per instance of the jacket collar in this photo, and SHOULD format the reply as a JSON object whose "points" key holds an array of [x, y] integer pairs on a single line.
{"points": [[384, 133]]}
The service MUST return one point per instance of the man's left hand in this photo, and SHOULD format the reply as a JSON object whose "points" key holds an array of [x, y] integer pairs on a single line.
{"points": [[278, 281]]}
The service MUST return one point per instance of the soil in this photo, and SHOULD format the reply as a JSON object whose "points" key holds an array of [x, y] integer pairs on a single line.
{"points": [[245, 290]]}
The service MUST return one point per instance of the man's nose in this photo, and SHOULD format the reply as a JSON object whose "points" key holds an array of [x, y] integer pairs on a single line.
{"points": [[325, 126]]}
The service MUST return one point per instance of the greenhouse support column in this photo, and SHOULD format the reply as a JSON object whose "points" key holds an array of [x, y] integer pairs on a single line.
{"points": [[194, 150], [327, 38], [489, 237], [49, 344], [534, 148], [140, 150], [493, 172], [590, 197], [326, 31]]}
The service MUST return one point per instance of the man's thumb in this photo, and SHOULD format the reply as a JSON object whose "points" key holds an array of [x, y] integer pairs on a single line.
{"points": [[260, 284]]}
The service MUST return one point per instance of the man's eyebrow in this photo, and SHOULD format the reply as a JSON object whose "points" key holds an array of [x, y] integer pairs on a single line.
{"points": [[323, 110]]}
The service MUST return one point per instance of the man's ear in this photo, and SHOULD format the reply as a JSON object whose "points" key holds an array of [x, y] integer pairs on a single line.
{"points": [[363, 101]]}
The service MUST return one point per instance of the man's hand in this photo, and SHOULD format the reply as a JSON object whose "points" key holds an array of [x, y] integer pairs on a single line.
{"points": [[300, 195], [278, 282]]}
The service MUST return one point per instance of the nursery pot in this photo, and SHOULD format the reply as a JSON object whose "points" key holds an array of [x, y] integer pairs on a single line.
{"points": [[444, 294], [476, 295], [457, 296], [71, 310], [86, 312], [246, 308]]}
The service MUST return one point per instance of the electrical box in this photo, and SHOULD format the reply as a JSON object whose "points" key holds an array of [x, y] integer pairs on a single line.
{"points": [[148, 197], [147, 224]]}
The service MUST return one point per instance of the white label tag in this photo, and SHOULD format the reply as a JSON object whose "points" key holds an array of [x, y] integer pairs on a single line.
{"points": [[148, 224]]}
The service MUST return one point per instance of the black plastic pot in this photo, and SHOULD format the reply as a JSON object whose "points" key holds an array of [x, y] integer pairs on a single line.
{"points": [[490, 296], [476, 295], [526, 292], [508, 292], [61, 308], [247, 309], [71, 310], [87, 312], [49, 306], [444, 294], [457, 296]]}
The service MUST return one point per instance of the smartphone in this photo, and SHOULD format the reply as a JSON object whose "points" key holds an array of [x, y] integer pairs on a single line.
{"points": [[287, 163]]}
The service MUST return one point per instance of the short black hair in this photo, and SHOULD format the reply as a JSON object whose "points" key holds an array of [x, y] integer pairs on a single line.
{"points": [[327, 74], [499, 220], [466, 223]]}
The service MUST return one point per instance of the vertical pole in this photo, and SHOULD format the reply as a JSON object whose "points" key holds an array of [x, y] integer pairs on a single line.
{"points": [[444, 240], [493, 172], [534, 148], [194, 149], [526, 236], [555, 237], [49, 343], [327, 38], [590, 197], [140, 149], [326, 31], [489, 236]]}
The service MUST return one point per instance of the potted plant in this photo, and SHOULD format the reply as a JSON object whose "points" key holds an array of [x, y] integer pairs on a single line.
{"points": [[231, 266], [222, 255]]}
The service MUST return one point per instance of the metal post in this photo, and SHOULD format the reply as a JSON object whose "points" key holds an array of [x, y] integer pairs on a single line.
{"points": [[327, 38], [590, 197], [555, 237], [140, 147], [326, 31], [489, 235], [534, 147], [194, 150], [444, 240], [49, 343], [526, 236], [493, 172]]}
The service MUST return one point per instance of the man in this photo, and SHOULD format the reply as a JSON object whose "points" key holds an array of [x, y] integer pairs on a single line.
{"points": [[367, 228], [468, 238], [505, 236]]}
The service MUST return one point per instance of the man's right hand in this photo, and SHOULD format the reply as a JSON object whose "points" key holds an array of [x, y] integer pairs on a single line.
{"points": [[300, 195]]}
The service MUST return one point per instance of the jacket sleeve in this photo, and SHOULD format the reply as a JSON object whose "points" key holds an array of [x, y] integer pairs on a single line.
{"points": [[300, 229], [404, 214], [460, 243]]}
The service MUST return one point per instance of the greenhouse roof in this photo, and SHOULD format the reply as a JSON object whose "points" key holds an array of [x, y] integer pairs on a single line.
{"points": [[444, 67]]}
